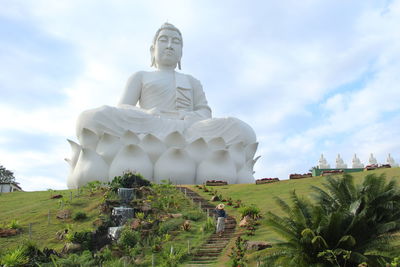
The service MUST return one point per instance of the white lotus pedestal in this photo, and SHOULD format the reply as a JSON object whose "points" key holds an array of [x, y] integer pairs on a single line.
{"points": [[171, 158]]}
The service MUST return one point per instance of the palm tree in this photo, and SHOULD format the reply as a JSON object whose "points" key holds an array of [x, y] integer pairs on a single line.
{"points": [[346, 225]]}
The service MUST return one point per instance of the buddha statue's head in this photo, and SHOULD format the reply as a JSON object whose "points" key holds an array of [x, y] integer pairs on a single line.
{"points": [[166, 50]]}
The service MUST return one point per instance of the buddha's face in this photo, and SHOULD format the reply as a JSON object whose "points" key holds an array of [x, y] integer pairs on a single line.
{"points": [[167, 50]]}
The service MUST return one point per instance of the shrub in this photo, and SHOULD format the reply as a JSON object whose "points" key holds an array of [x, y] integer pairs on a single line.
{"points": [[193, 215], [80, 216], [128, 180], [251, 211], [85, 238], [14, 224], [15, 257], [209, 225], [74, 260], [170, 225], [129, 238]]}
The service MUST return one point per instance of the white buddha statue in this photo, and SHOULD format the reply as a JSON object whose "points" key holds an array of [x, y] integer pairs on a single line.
{"points": [[165, 107], [391, 161], [322, 163], [372, 160], [340, 163], [356, 162]]}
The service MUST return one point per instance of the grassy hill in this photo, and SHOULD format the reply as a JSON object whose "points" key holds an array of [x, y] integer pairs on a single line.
{"points": [[34, 207], [263, 197]]}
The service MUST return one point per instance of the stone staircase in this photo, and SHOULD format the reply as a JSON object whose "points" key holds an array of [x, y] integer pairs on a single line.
{"points": [[208, 253]]}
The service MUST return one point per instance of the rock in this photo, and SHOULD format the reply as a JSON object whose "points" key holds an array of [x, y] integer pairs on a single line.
{"points": [[98, 222], [257, 245], [186, 225], [215, 198], [246, 221], [71, 248], [8, 232], [60, 235], [145, 207], [135, 224], [175, 215], [56, 196], [63, 214]]}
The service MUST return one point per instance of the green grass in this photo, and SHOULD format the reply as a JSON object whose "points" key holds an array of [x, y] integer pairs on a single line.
{"points": [[33, 208], [263, 196]]}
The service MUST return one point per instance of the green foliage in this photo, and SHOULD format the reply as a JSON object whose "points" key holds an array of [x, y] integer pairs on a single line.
{"points": [[395, 262], [14, 224], [209, 225], [80, 216], [129, 238], [238, 252], [75, 260], [172, 257], [27, 254], [128, 180], [251, 211], [139, 215], [85, 238], [6, 176], [15, 257], [170, 225], [193, 215], [347, 225]]}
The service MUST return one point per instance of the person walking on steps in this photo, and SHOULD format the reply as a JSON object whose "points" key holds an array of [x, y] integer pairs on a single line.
{"points": [[221, 218]]}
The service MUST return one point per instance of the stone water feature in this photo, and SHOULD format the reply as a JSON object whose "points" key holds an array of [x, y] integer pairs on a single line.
{"points": [[120, 215]]}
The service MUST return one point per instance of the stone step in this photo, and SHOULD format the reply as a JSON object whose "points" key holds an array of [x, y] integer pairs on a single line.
{"points": [[209, 252]]}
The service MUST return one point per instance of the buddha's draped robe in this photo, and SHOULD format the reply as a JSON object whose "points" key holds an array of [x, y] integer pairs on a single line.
{"points": [[183, 106]]}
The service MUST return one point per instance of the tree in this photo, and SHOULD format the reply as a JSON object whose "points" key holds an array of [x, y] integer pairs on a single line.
{"points": [[6, 176], [346, 225]]}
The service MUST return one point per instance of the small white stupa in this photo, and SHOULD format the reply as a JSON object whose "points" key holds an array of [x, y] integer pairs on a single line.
{"points": [[391, 161], [322, 163], [356, 162], [340, 163], [372, 160]]}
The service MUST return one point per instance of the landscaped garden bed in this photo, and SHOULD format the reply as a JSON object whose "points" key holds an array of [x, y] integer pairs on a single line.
{"points": [[216, 183], [267, 180]]}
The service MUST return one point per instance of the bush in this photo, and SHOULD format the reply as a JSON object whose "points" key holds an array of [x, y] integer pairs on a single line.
{"points": [[251, 211], [74, 260], [14, 224], [15, 257], [170, 225], [209, 225], [80, 216], [128, 180], [193, 215], [129, 238], [85, 238]]}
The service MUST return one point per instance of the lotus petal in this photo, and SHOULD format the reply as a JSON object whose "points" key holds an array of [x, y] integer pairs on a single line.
{"points": [[75, 151], [130, 137], [198, 150], [89, 167], [217, 166], [108, 147], [217, 143], [175, 139], [153, 146], [238, 154], [88, 139], [131, 158], [251, 150], [175, 165]]}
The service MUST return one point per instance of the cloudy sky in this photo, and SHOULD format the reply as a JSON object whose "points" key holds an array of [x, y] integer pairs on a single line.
{"points": [[310, 76]]}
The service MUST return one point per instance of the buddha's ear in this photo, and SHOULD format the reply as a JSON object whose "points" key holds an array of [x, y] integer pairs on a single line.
{"points": [[153, 61]]}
